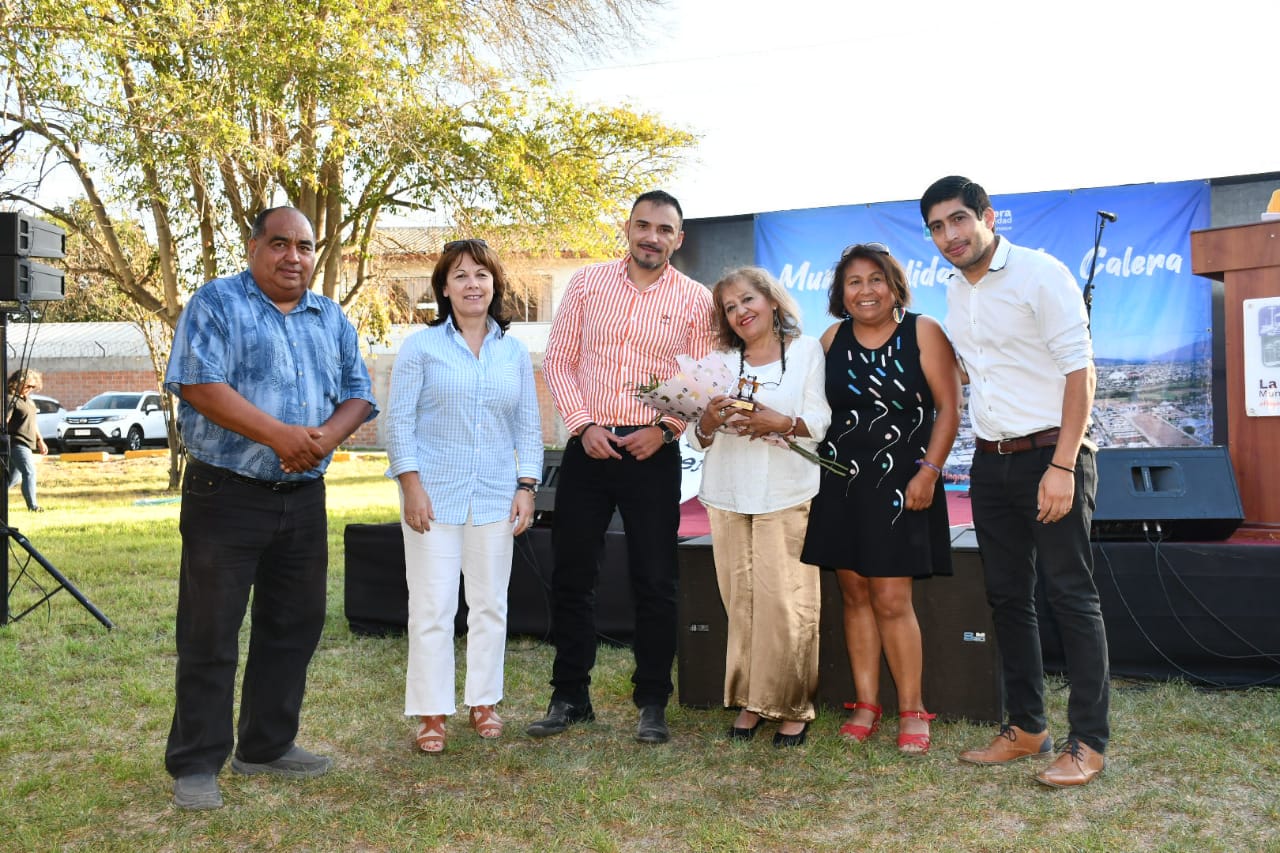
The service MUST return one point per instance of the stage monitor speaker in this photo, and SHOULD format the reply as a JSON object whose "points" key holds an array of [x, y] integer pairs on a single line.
{"points": [[961, 659], [1171, 493]]}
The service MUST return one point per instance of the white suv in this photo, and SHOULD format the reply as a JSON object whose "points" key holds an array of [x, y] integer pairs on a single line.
{"points": [[123, 420]]}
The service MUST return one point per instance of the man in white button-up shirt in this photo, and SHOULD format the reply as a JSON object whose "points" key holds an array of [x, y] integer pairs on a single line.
{"points": [[1020, 329]]}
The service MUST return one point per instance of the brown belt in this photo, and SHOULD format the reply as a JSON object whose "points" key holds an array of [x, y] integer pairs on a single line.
{"points": [[1043, 438]]}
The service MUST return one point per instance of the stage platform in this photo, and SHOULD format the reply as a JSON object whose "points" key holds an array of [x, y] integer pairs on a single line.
{"points": [[1203, 611]]}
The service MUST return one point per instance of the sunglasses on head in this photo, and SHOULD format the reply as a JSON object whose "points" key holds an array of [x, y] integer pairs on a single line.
{"points": [[464, 244], [881, 248]]}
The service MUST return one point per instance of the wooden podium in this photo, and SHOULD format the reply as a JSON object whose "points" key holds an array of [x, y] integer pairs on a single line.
{"points": [[1246, 259]]}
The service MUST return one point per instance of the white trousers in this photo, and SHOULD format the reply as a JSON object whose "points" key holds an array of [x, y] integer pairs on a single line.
{"points": [[434, 561]]}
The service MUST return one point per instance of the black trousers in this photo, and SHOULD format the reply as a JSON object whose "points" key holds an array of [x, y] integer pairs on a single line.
{"points": [[237, 536], [647, 495], [1003, 492]]}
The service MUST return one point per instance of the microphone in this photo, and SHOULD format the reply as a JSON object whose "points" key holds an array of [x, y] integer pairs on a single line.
{"points": [[1107, 215]]}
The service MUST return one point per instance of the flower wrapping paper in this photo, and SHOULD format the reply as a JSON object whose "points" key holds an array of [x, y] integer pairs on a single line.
{"points": [[688, 392]]}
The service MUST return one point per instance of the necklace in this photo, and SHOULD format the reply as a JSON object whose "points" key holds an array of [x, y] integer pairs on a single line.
{"points": [[750, 381]]}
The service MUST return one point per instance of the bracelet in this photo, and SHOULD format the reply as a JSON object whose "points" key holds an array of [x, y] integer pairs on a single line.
{"points": [[588, 425], [927, 464], [1062, 467], [697, 430], [791, 431]]}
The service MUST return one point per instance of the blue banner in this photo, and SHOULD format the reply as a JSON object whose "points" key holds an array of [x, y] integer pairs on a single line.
{"points": [[1151, 319]]}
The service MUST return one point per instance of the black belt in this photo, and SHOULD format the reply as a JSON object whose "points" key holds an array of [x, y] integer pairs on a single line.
{"points": [[1043, 438], [620, 431], [282, 486]]}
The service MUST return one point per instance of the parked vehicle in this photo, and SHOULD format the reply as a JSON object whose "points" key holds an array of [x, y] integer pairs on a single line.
{"points": [[121, 420], [49, 414]]}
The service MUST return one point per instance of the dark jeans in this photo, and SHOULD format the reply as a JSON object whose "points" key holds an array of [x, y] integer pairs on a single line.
{"points": [[1003, 493], [236, 536], [647, 494]]}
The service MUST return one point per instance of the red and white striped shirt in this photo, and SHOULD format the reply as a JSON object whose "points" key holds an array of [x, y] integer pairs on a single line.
{"points": [[609, 338]]}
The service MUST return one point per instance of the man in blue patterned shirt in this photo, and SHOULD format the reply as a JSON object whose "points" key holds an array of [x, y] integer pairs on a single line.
{"points": [[271, 381]]}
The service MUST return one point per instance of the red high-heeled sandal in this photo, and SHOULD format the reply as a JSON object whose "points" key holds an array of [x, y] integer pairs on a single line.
{"points": [[859, 733], [919, 743]]}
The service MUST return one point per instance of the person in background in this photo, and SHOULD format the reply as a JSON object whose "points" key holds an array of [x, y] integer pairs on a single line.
{"points": [[620, 325], [464, 442], [757, 492], [895, 395], [25, 440], [1019, 323], [271, 381]]}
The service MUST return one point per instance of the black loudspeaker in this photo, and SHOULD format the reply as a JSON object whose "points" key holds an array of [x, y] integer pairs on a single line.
{"points": [[704, 628], [376, 596], [961, 659], [1171, 493]]}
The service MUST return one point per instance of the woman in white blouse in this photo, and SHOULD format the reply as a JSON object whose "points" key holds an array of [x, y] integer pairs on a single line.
{"points": [[757, 492], [464, 441]]}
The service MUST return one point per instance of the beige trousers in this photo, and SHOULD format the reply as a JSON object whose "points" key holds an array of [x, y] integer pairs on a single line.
{"points": [[773, 602]]}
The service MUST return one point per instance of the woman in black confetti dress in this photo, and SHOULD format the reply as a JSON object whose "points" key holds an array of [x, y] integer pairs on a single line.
{"points": [[894, 391]]}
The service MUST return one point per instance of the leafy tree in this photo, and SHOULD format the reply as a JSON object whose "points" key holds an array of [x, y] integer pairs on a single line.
{"points": [[180, 119], [197, 114]]}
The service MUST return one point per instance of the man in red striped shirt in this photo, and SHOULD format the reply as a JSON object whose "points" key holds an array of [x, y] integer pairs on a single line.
{"points": [[620, 325]]}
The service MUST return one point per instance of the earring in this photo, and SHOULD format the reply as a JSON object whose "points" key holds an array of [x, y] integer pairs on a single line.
{"points": [[899, 312]]}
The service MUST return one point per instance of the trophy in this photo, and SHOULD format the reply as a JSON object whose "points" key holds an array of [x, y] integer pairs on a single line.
{"points": [[744, 398]]}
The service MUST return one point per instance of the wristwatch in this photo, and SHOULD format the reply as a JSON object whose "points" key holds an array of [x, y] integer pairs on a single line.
{"points": [[528, 487], [668, 434]]}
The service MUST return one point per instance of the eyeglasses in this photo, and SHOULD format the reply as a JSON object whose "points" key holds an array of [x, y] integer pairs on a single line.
{"points": [[465, 244], [880, 248]]}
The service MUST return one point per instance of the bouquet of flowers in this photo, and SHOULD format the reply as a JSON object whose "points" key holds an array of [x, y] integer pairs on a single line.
{"points": [[688, 392]]}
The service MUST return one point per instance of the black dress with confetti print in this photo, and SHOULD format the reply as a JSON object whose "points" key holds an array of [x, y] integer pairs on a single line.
{"points": [[881, 419]]}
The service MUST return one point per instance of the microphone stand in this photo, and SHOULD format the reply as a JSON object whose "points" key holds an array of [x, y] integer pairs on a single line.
{"points": [[1093, 265]]}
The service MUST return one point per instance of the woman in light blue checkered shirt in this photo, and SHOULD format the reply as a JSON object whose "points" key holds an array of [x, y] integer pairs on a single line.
{"points": [[464, 439]]}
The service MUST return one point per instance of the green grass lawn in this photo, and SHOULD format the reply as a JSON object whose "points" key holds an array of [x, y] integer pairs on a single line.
{"points": [[84, 714]]}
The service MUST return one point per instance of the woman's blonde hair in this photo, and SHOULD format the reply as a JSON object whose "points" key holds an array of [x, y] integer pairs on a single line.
{"points": [[23, 377], [786, 313]]}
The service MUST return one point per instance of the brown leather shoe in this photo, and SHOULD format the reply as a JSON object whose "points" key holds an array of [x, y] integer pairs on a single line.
{"points": [[1077, 764], [1011, 744]]}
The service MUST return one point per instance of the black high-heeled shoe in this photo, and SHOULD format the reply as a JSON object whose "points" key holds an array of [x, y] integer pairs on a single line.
{"points": [[738, 733], [780, 740]]}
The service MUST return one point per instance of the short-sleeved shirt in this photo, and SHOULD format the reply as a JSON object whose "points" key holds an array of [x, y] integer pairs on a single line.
{"points": [[297, 367]]}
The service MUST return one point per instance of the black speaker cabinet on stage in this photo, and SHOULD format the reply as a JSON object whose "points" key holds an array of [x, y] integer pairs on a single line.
{"points": [[376, 596], [704, 628], [961, 660], [1170, 493]]}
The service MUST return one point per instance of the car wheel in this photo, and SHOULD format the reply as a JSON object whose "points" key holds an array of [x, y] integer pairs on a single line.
{"points": [[134, 441]]}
